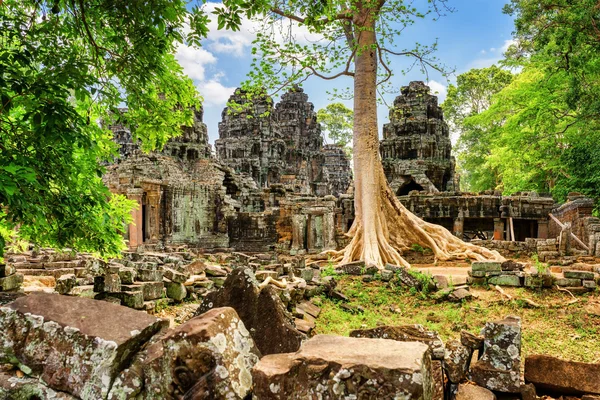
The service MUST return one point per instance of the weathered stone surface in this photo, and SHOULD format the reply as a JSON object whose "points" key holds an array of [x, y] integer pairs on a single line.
{"points": [[14, 388], [134, 299], [474, 342], [46, 336], [339, 367], [437, 373], [208, 357], [459, 295], [65, 284], [262, 311], [560, 376], [499, 367], [510, 265], [487, 266], [568, 282], [505, 280], [152, 290], [456, 359], [149, 275], [405, 333], [108, 283], [127, 275], [175, 276], [472, 392], [354, 268], [11, 282]]}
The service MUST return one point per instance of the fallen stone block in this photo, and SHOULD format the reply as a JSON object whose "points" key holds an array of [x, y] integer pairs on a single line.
{"points": [[175, 276], [456, 361], [499, 367], [563, 377], [12, 282], [107, 283], [262, 275], [46, 336], [510, 265], [176, 291], [149, 275], [208, 357], [152, 290], [261, 310], [472, 392], [127, 275], [65, 284], [572, 282], [405, 333], [339, 367]]}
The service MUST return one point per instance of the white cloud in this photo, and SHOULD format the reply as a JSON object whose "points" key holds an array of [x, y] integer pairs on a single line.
{"points": [[438, 89], [214, 92], [194, 61], [495, 55]]}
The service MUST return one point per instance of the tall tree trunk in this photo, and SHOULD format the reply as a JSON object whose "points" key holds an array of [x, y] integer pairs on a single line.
{"points": [[383, 227]]}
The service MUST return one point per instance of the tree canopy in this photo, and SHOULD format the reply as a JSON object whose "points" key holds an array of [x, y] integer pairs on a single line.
{"points": [[337, 120], [66, 66]]}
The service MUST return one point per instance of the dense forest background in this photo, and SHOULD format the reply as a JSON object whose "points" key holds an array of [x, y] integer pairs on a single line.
{"points": [[532, 122]]}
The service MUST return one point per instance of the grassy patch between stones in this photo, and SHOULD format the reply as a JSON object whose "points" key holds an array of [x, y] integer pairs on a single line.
{"points": [[557, 329]]}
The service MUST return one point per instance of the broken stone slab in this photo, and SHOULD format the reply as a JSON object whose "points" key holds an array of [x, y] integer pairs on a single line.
{"points": [[261, 309], [560, 376], [214, 271], [12, 282], [344, 368], [471, 392], [584, 275], [208, 357], [456, 361], [303, 325], [152, 290], [357, 268], [51, 336], [309, 308], [589, 284], [472, 341], [499, 367], [405, 333], [404, 277], [459, 295], [487, 266], [262, 275], [65, 284]]}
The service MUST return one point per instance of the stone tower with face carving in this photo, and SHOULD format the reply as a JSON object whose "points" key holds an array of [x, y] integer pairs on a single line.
{"points": [[416, 147]]}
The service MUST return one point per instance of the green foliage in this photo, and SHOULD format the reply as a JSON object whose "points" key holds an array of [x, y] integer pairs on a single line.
{"points": [[472, 95], [65, 68], [425, 279], [338, 120], [329, 270], [420, 249], [541, 267]]}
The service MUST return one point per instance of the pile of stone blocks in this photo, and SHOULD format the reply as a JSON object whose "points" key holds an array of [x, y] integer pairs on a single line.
{"points": [[496, 273], [10, 280]]}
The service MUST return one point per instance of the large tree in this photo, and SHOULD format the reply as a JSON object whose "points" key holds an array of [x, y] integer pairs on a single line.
{"points": [[352, 38], [471, 96], [66, 66], [337, 119]]}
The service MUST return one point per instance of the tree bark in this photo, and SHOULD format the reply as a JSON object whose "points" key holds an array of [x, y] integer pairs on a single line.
{"points": [[383, 228]]}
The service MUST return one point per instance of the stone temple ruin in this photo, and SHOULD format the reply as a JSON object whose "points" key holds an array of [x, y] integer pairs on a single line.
{"points": [[273, 184], [230, 231]]}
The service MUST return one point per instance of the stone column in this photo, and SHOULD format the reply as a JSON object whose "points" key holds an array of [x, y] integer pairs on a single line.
{"points": [[498, 229], [459, 227], [329, 231], [153, 218], [298, 227], [136, 237], [542, 229], [564, 245]]}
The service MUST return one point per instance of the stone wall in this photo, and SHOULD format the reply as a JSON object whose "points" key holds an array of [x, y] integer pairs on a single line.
{"points": [[577, 212]]}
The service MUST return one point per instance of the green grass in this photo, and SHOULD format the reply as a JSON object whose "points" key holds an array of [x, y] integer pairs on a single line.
{"points": [[559, 330]]}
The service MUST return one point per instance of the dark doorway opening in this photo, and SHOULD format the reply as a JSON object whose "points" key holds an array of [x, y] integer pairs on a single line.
{"points": [[408, 187], [144, 223]]}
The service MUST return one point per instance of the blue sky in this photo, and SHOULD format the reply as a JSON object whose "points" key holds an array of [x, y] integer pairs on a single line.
{"points": [[474, 36]]}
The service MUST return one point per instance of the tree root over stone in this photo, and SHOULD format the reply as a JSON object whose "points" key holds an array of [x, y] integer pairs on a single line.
{"points": [[396, 229]]}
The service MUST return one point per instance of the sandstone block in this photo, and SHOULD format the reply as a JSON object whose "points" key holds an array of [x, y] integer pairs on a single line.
{"points": [[486, 266], [47, 337], [568, 282], [127, 275], [505, 280], [176, 291], [152, 290], [149, 275], [499, 367], [344, 368], [472, 392], [65, 284], [11, 282], [560, 376], [578, 274], [6, 270], [405, 333], [175, 276], [456, 359]]}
